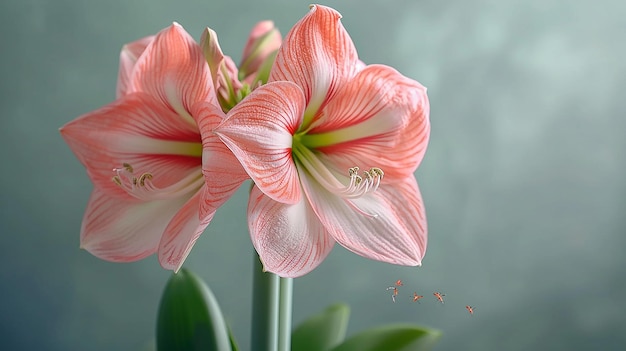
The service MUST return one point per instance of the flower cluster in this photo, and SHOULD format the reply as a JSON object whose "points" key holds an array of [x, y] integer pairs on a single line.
{"points": [[331, 145]]}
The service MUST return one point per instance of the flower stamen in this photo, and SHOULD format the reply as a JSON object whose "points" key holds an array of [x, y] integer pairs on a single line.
{"points": [[143, 188], [358, 184], [362, 184], [136, 186]]}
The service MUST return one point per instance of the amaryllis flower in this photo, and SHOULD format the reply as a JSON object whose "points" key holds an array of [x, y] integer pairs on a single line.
{"points": [[143, 153], [233, 83], [331, 145]]}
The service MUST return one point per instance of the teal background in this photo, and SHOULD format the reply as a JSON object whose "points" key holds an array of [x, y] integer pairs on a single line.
{"points": [[523, 180]]}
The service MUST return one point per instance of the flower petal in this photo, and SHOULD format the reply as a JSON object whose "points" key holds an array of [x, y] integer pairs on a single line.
{"points": [[222, 171], [125, 231], [289, 239], [318, 55], [388, 225], [379, 119], [128, 57], [405, 200], [174, 70], [182, 232], [259, 131], [140, 131]]}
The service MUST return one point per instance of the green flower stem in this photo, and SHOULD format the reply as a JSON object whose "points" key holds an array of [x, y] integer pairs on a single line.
{"points": [[284, 318], [265, 309]]}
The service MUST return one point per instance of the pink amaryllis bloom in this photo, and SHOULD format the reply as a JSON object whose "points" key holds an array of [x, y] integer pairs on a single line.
{"points": [[331, 145], [144, 152]]}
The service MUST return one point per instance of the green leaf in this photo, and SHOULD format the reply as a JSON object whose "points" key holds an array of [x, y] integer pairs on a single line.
{"points": [[233, 342], [398, 337], [323, 331], [189, 317]]}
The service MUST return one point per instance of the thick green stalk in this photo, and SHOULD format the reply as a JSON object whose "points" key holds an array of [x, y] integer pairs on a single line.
{"points": [[284, 318], [265, 309]]}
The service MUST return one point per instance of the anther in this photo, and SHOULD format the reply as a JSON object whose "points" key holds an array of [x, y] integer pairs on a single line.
{"points": [[377, 171], [128, 167], [117, 180], [357, 179], [367, 182], [144, 177]]}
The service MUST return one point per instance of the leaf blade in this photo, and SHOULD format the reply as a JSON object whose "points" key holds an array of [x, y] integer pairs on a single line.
{"points": [[322, 331], [189, 316], [395, 337]]}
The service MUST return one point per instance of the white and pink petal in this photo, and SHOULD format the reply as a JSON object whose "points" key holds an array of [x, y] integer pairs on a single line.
{"points": [[388, 225], [318, 55], [259, 131], [128, 58], [173, 69], [182, 232], [289, 239], [125, 231]]}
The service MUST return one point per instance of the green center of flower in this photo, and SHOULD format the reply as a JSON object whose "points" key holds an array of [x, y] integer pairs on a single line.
{"points": [[310, 160], [229, 97]]}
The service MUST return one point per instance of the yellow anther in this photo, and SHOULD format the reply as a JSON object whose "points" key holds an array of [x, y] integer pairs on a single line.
{"points": [[367, 175], [143, 178], [377, 171], [117, 180], [358, 179], [128, 167]]}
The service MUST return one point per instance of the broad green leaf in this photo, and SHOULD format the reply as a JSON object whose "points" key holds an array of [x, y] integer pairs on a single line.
{"points": [[189, 317], [322, 331], [233, 342], [398, 337]]}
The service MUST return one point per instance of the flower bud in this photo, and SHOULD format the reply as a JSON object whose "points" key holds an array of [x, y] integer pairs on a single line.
{"points": [[263, 41]]}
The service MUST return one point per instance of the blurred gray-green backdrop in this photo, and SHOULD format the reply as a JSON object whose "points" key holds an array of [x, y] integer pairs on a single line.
{"points": [[523, 180]]}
